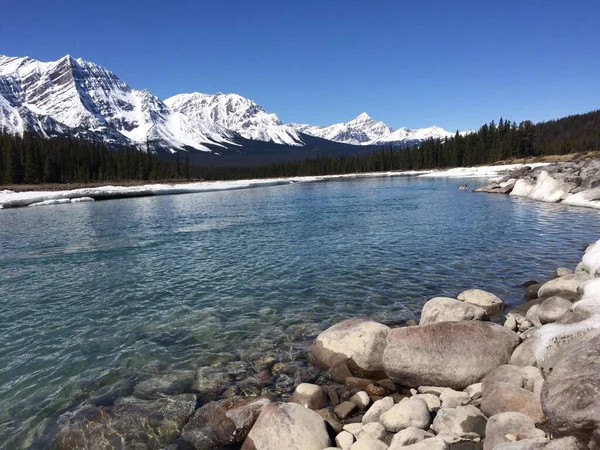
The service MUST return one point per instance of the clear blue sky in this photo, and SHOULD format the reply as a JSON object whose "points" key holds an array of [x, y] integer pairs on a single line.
{"points": [[455, 64]]}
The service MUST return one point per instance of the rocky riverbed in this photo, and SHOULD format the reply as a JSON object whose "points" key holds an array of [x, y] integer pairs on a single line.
{"points": [[571, 183], [469, 375]]}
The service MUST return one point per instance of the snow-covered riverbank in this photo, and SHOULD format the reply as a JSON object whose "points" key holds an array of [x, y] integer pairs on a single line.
{"points": [[10, 199]]}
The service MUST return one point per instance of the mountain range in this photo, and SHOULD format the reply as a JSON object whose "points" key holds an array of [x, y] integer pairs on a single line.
{"points": [[82, 99]]}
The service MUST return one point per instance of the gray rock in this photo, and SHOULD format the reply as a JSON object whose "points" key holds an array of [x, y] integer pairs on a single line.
{"points": [[552, 309], [506, 373], [523, 354], [567, 283], [434, 443], [377, 409], [571, 394], [464, 421], [310, 395], [357, 342], [562, 271], [168, 384], [533, 317], [287, 426], [410, 412], [451, 398], [223, 423], [435, 390], [474, 390], [368, 443], [433, 401], [503, 397], [500, 425], [344, 440], [209, 383], [445, 309], [527, 444], [471, 349], [566, 443], [409, 436], [373, 430], [533, 380], [492, 304]]}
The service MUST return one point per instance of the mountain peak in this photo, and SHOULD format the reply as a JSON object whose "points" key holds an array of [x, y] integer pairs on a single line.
{"points": [[363, 116]]}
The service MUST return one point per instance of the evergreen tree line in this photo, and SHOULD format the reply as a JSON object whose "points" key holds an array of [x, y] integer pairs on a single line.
{"points": [[31, 159]]}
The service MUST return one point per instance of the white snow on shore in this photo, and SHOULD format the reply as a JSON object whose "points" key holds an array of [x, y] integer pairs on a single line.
{"points": [[482, 171], [9, 199]]}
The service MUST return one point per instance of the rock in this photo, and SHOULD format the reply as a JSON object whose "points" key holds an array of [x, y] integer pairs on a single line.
{"points": [[435, 390], [344, 440], [533, 317], [433, 401], [339, 373], [506, 373], [464, 420], [409, 436], [483, 299], [209, 383], [345, 409], [409, 412], [457, 442], [434, 443], [531, 292], [511, 322], [503, 397], [223, 423], [377, 409], [549, 189], [567, 283], [471, 349], [357, 342], [374, 390], [368, 443], [566, 443], [373, 430], [578, 315], [310, 395], [451, 398], [552, 309], [523, 354], [474, 391], [527, 444], [444, 309], [168, 384], [562, 271], [331, 419], [411, 323], [571, 394], [500, 425], [361, 399], [388, 384], [287, 426], [353, 428], [533, 380], [357, 383]]}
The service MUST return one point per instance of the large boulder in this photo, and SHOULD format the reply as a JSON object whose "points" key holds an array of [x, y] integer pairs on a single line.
{"points": [[561, 285], [448, 354], [504, 397], [287, 426], [445, 309], [357, 342], [492, 304], [223, 423], [499, 425], [571, 394], [552, 309]]}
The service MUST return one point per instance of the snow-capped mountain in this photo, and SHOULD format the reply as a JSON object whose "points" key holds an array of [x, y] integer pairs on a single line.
{"points": [[359, 131], [80, 98], [236, 113]]}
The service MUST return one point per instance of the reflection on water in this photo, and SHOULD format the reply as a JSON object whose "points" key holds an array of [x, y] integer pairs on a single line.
{"points": [[94, 294]]}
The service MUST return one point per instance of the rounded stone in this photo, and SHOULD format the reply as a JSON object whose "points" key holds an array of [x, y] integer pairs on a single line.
{"points": [[310, 395], [492, 304], [408, 413], [444, 309]]}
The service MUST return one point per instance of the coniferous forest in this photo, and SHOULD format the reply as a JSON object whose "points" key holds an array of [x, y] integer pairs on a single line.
{"points": [[30, 159]]}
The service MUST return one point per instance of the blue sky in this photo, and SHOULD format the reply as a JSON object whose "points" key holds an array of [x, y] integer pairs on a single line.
{"points": [[456, 64]]}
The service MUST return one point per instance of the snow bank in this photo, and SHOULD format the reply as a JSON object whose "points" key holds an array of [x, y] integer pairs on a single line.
{"points": [[547, 189], [589, 199], [591, 260], [482, 171], [10, 199]]}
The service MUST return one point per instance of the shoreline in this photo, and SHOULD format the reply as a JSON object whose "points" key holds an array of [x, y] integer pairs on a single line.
{"points": [[363, 384], [11, 199]]}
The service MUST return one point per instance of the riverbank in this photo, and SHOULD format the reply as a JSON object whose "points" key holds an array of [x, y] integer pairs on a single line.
{"points": [[457, 379], [53, 196], [570, 183]]}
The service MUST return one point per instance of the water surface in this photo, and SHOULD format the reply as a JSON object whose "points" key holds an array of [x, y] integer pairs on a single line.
{"points": [[91, 291]]}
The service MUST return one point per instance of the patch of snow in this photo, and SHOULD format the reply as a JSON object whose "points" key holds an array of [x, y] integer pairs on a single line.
{"points": [[589, 198], [470, 172]]}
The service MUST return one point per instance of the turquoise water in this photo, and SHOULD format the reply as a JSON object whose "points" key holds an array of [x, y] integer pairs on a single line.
{"points": [[91, 293]]}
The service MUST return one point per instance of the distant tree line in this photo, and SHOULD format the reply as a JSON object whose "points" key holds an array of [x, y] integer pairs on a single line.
{"points": [[31, 159]]}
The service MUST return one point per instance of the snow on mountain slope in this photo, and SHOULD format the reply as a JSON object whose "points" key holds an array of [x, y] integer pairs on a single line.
{"points": [[77, 96], [236, 113], [361, 130], [414, 135]]}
